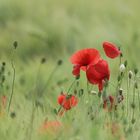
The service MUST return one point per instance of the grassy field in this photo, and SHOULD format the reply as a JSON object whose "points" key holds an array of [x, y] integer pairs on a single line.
{"points": [[55, 29]]}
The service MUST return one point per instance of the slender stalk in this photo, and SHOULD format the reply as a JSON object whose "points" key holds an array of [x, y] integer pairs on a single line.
{"points": [[139, 99], [48, 81], [13, 83], [127, 101]]}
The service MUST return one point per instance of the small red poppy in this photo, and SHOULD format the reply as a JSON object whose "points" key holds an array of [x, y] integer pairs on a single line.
{"points": [[108, 103], [67, 101], [83, 58], [98, 73], [111, 50]]}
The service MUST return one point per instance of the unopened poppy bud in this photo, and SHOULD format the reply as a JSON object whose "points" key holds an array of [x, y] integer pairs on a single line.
{"points": [[15, 44], [133, 121], [43, 60], [119, 78], [135, 71], [130, 74], [122, 68], [13, 115], [55, 111], [59, 62], [133, 105], [125, 63], [3, 63]]}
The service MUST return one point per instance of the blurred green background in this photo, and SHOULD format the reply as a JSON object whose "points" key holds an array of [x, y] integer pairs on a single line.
{"points": [[55, 28]]}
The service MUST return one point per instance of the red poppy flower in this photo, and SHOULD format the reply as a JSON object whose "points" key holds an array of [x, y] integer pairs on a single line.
{"points": [[111, 50], [108, 103], [67, 101], [83, 58], [98, 73]]}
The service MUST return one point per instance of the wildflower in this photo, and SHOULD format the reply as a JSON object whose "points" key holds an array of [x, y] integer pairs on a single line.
{"points": [[122, 68], [83, 58], [67, 101], [98, 73], [111, 50]]}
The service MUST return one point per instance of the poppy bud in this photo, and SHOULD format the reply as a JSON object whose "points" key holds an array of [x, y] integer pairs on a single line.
{"points": [[60, 62], [121, 55], [130, 74], [15, 44], [3, 63], [133, 121], [55, 111], [133, 105], [119, 78], [135, 71], [13, 115], [43, 60], [122, 68], [125, 63]]}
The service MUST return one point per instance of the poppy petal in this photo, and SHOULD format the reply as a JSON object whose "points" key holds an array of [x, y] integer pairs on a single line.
{"points": [[111, 50]]}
